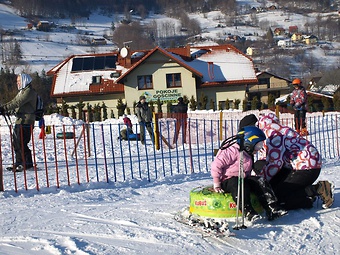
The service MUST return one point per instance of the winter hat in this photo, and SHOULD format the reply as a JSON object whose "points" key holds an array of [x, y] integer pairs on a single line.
{"points": [[142, 97], [249, 120], [25, 80]]}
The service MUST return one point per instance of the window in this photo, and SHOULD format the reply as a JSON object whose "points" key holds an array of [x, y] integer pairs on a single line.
{"points": [[96, 79], [173, 80], [144, 82]]}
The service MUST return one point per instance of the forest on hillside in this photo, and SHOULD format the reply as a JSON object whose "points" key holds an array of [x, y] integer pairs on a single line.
{"points": [[82, 8]]}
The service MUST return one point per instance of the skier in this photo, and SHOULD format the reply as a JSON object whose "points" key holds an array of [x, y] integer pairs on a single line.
{"points": [[292, 165], [225, 170], [24, 104], [298, 100]]}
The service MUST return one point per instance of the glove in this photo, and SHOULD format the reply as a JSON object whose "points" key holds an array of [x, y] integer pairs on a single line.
{"points": [[258, 166], [217, 188]]}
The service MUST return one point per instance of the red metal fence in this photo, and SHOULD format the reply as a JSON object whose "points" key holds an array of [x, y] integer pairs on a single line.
{"points": [[94, 153]]}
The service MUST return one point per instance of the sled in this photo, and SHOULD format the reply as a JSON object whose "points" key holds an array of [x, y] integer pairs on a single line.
{"points": [[208, 203], [65, 135]]}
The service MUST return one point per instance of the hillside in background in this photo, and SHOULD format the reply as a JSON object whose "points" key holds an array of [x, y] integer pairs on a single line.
{"points": [[25, 48]]}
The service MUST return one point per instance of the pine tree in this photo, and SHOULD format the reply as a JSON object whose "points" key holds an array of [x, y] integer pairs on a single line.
{"points": [[104, 107], [237, 104], [121, 107], [159, 105], [193, 104]]}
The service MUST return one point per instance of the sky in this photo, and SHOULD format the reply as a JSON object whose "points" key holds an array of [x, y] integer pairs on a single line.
{"points": [[136, 216]]}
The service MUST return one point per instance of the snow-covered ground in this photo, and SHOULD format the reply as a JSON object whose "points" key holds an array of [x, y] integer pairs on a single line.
{"points": [[136, 217]]}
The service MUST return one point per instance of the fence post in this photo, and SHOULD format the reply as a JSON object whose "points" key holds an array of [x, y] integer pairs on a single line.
{"points": [[155, 130]]}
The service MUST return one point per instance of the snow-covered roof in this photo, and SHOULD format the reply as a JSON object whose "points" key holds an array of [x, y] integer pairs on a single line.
{"points": [[223, 65]]}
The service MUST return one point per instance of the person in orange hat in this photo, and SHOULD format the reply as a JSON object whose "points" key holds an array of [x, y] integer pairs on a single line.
{"points": [[298, 100]]}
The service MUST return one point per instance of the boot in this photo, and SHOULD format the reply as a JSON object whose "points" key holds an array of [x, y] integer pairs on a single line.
{"points": [[250, 214], [304, 132], [326, 193], [275, 211]]}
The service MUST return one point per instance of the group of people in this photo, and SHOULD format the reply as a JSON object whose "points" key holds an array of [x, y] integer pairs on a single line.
{"points": [[284, 174], [144, 115]]}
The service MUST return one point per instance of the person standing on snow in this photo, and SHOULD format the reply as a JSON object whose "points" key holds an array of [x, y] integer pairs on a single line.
{"points": [[24, 104], [225, 172], [291, 165], [298, 100], [144, 115], [180, 110]]}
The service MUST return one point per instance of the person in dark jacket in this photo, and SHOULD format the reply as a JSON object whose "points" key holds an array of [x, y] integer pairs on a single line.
{"points": [[24, 105], [180, 113], [144, 115]]}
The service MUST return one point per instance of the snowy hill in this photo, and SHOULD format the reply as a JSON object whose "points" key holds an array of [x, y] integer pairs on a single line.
{"points": [[43, 50]]}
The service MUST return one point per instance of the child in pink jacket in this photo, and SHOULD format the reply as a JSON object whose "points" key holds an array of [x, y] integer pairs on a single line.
{"points": [[225, 172]]}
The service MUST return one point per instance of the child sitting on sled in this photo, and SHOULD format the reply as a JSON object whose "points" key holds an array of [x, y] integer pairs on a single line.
{"points": [[225, 172]]}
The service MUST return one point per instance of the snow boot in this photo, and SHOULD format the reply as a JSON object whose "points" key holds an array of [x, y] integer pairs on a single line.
{"points": [[326, 193], [273, 211]]}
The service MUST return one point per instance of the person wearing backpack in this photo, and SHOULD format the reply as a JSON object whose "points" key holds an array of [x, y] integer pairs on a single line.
{"points": [[24, 105]]}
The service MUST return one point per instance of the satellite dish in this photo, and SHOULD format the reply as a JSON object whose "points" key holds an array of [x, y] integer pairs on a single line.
{"points": [[124, 52]]}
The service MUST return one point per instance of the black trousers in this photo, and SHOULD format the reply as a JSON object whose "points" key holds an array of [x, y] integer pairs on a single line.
{"points": [[295, 189], [21, 138], [252, 184], [300, 119]]}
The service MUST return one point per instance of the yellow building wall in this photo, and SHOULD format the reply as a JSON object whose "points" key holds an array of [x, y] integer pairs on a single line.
{"points": [[158, 66]]}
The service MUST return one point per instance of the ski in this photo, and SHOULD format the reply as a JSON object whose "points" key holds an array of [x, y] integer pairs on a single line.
{"points": [[215, 230]]}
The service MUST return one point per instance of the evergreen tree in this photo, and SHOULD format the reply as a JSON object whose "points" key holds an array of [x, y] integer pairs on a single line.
{"points": [[89, 112], [104, 107], [203, 102], [159, 105], [271, 101], [80, 107], [64, 109], [193, 104], [336, 101], [326, 104], [254, 103], [73, 112], [121, 107], [237, 104], [212, 105]]}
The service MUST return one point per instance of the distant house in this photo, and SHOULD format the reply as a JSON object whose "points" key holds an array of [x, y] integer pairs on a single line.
{"points": [[251, 51], [310, 39], [268, 84], [284, 43], [279, 31], [296, 37], [98, 41], [293, 29], [43, 25], [219, 72]]}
